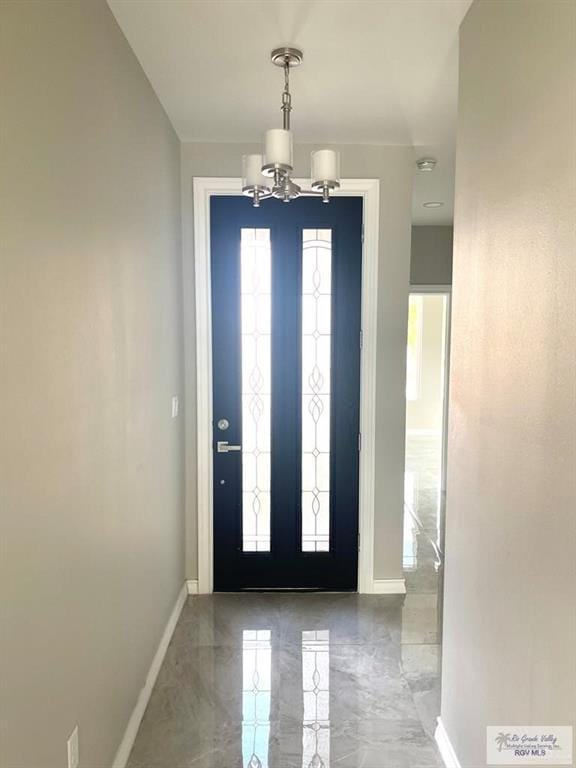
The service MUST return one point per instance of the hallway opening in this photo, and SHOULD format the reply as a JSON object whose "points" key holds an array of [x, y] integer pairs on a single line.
{"points": [[424, 494]]}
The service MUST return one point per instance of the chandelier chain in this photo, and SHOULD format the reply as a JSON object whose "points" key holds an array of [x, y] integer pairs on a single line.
{"points": [[286, 97]]}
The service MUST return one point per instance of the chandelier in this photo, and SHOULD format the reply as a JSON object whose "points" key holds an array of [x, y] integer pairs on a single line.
{"points": [[270, 175]]}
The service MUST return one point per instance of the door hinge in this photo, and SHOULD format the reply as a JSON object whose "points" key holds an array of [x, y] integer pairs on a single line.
{"points": [[361, 339], [359, 441], [362, 234], [358, 542]]}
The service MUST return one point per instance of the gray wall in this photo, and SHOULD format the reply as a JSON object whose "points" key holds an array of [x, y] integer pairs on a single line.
{"points": [[393, 166], [431, 255], [92, 478], [510, 616]]}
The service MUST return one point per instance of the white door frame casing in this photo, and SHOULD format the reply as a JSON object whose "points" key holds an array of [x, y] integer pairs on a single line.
{"points": [[204, 188]]}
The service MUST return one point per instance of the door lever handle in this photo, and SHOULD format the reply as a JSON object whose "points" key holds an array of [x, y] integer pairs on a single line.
{"points": [[222, 446]]}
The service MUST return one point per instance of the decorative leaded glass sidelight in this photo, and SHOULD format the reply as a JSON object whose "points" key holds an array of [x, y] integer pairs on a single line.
{"points": [[256, 282], [316, 368]]}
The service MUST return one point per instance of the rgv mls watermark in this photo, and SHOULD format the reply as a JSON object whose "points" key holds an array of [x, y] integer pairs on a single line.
{"points": [[529, 745]]}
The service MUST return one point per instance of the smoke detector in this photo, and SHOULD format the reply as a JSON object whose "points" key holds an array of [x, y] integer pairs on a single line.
{"points": [[426, 164]]}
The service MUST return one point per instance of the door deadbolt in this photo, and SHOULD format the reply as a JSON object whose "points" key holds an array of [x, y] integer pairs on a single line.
{"points": [[223, 424]]}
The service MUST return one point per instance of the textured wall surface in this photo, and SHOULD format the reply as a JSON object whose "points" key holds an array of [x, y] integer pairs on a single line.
{"points": [[431, 255], [510, 602], [92, 464], [393, 166]]}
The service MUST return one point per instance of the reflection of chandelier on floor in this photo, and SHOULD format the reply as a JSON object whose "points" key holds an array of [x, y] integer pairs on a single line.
{"points": [[269, 176]]}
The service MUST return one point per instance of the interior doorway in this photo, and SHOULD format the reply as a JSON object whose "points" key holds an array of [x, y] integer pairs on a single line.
{"points": [[428, 345]]}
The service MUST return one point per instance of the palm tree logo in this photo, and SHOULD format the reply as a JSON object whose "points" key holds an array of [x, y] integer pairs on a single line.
{"points": [[502, 740]]}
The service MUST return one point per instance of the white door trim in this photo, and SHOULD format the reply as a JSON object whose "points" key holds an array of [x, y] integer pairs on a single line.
{"points": [[204, 188]]}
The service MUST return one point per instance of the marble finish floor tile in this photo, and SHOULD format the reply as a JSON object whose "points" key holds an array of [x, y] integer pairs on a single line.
{"points": [[421, 632], [273, 681], [366, 744], [292, 680]]}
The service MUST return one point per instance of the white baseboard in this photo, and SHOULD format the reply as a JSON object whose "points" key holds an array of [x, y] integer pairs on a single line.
{"points": [[129, 737], [445, 746], [389, 587], [192, 586]]}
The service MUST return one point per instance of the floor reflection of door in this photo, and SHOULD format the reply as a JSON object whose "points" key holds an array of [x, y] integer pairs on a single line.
{"points": [[257, 659], [300, 680], [316, 691], [286, 368], [256, 697]]}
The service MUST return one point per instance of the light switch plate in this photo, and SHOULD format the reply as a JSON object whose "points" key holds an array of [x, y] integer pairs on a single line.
{"points": [[73, 749], [174, 407]]}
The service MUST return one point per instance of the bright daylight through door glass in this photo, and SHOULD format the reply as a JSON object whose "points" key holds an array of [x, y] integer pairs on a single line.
{"points": [[255, 289], [316, 366], [414, 349]]}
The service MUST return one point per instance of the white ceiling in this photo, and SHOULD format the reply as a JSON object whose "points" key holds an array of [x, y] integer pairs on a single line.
{"points": [[374, 72]]}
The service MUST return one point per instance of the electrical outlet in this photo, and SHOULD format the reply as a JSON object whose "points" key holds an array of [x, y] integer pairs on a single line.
{"points": [[73, 749], [174, 407]]}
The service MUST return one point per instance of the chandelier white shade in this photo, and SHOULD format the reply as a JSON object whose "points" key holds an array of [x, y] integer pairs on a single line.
{"points": [[277, 148], [269, 175], [325, 166], [252, 171]]}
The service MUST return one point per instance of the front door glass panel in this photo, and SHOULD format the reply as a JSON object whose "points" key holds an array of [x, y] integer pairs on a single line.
{"points": [[316, 378], [256, 297]]}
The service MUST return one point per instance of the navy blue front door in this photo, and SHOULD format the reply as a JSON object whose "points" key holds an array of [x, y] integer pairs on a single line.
{"points": [[286, 289]]}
